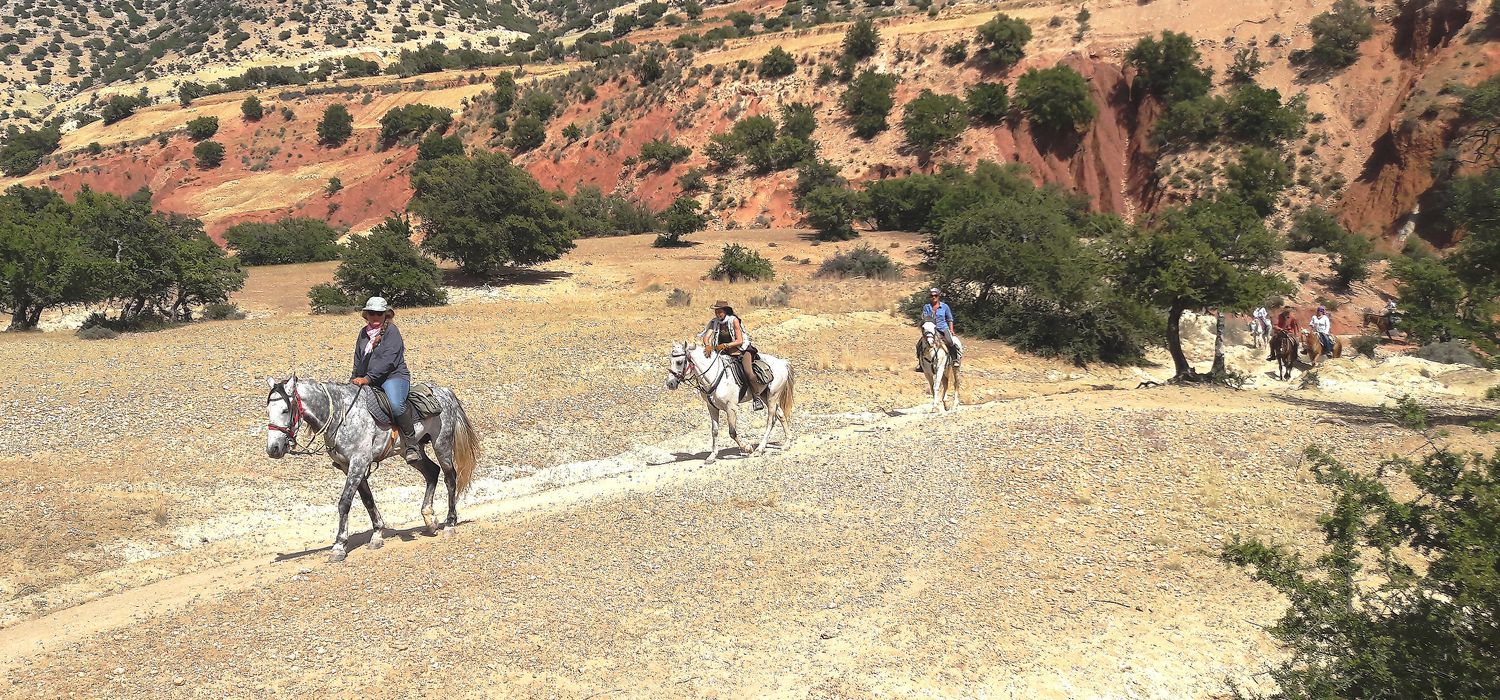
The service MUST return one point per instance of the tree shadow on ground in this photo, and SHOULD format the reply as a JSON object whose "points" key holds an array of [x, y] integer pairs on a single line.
{"points": [[513, 277], [1437, 414]]}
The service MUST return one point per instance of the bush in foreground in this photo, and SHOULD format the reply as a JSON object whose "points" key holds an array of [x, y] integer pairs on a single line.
{"points": [[862, 261]]}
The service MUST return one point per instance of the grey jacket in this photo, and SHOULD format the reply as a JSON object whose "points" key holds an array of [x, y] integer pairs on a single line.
{"points": [[388, 360]]}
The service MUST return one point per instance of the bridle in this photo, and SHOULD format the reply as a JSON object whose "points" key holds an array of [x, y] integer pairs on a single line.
{"points": [[695, 374], [298, 410]]}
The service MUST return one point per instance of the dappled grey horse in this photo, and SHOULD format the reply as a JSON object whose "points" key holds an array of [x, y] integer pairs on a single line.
{"points": [[338, 413]]}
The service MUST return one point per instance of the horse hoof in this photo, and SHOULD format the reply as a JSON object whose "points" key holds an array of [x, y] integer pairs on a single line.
{"points": [[337, 556], [447, 530], [376, 543]]}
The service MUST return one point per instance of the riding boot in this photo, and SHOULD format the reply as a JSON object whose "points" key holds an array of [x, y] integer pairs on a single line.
{"points": [[412, 452]]}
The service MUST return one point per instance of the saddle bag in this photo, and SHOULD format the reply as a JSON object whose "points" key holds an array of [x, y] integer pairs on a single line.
{"points": [[763, 372], [420, 399]]}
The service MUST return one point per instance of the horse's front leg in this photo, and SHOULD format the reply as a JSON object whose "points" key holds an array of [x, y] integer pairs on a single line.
{"points": [[377, 523], [359, 469], [713, 432], [935, 380]]}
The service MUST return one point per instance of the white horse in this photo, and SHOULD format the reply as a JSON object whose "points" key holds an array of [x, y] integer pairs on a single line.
{"points": [[935, 366], [1260, 332], [713, 376]]}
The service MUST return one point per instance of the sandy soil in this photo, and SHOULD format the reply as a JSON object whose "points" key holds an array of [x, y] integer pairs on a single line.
{"points": [[1054, 541]]}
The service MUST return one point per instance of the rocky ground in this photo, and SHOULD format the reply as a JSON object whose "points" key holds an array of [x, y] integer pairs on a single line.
{"points": [[1055, 541]]}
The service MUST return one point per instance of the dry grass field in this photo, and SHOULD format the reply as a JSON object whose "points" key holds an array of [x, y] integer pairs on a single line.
{"points": [[1055, 541]]}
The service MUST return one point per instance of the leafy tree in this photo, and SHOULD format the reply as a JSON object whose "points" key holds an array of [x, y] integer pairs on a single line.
{"points": [[333, 187], [539, 104], [787, 152], [119, 107], [485, 213], [1314, 228], [904, 203], [694, 180], [1246, 66], [435, 145], [722, 151], [832, 211], [777, 63], [48, 262], [290, 240], [1169, 69], [504, 94], [413, 120], [1213, 253], [649, 70], [988, 103], [931, 120], [187, 91], [1338, 33], [208, 154], [527, 134], [251, 109], [202, 128], [741, 20], [753, 137], [862, 40], [385, 263], [1363, 619], [692, 8], [24, 148], [868, 102], [738, 263], [661, 154], [1350, 259], [336, 126], [798, 120], [572, 133], [1259, 178], [1055, 99], [1003, 40], [1258, 116], [813, 173], [681, 219], [1431, 298]]}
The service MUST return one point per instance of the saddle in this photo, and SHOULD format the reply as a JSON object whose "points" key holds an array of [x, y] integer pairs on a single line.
{"points": [[420, 399], [763, 374]]}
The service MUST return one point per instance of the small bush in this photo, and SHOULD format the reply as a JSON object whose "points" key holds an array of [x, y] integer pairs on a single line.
{"points": [[736, 263], [202, 128], [1338, 33], [328, 299], [679, 297], [1056, 99], [988, 103], [1365, 345], [779, 297], [96, 333], [1003, 40], [208, 154], [1449, 353], [777, 63], [223, 312], [1492, 393], [862, 261]]}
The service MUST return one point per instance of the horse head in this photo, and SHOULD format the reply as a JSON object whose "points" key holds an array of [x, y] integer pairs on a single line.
{"points": [[283, 414], [677, 374], [929, 339]]}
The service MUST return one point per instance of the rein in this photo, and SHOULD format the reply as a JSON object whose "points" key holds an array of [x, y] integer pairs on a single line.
{"points": [[697, 375], [299, 412]]}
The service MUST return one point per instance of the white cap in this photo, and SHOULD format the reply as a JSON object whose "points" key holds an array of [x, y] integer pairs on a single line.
{"points": [[377, 304]]}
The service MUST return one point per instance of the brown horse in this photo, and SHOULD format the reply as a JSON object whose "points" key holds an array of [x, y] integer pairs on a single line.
{"points": [[1316, 351], [1382, 322], [1286, 355]]}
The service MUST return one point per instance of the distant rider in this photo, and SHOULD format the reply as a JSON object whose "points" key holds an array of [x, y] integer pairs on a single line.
{"points": [[936, 311], [1391, 314], [1285, 327], [1322, 324], [726, 333], [380, 361], [1262, 320]]}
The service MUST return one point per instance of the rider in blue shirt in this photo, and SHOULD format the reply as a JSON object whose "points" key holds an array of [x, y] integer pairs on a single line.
{"points": [[938, 313]]}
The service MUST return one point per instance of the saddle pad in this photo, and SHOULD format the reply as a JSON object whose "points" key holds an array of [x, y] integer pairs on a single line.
{"points": [[419, 399], [763, 372]]}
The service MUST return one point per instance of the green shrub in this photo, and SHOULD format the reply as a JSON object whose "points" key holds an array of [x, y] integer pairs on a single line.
{"points": [[1003, 40], [1314, 227], [1451, 352], [988, 103], [694, 180], [777, 63], [435, 145], [385, 263], [868, 101], [208, 154], [24, 148], [798, 120], [861, 261], [1350, 259], [252, 109], [504, 95], [202, 128], [738, 263], [328, 299], [223, 312], [931, 120], [661, 154], [1258, 178], [1365, 345], [1338, 33], [832, 211], [1402, 601], [1055, 99], [290, 240], [526, 134], [485, 213], [412, 120], [336, 126], [862, 39], [680, 219], [119, 107], [96, 333], [1492, 393], [1169, 69], [956, 53]]}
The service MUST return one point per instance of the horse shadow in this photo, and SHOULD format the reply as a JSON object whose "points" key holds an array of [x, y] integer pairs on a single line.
{"points": [[359, 540]]}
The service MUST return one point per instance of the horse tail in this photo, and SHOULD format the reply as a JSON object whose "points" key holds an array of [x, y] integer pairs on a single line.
{"points": [[465, 446], [787, 398]]}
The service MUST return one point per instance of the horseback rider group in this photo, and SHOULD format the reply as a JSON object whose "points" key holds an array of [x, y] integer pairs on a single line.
{"points": [[1286, 326]]}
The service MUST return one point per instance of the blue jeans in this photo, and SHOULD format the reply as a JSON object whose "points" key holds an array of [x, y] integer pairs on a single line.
{"points": [[1327, 343], [396, 389]]}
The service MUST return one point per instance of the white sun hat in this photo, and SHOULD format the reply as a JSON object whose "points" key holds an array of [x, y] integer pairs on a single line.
{"points": [[377, 304]]}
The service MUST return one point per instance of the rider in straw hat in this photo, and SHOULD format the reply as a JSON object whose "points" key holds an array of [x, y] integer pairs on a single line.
{"points": [[380, 361], [726, 333], [936, 312]]}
